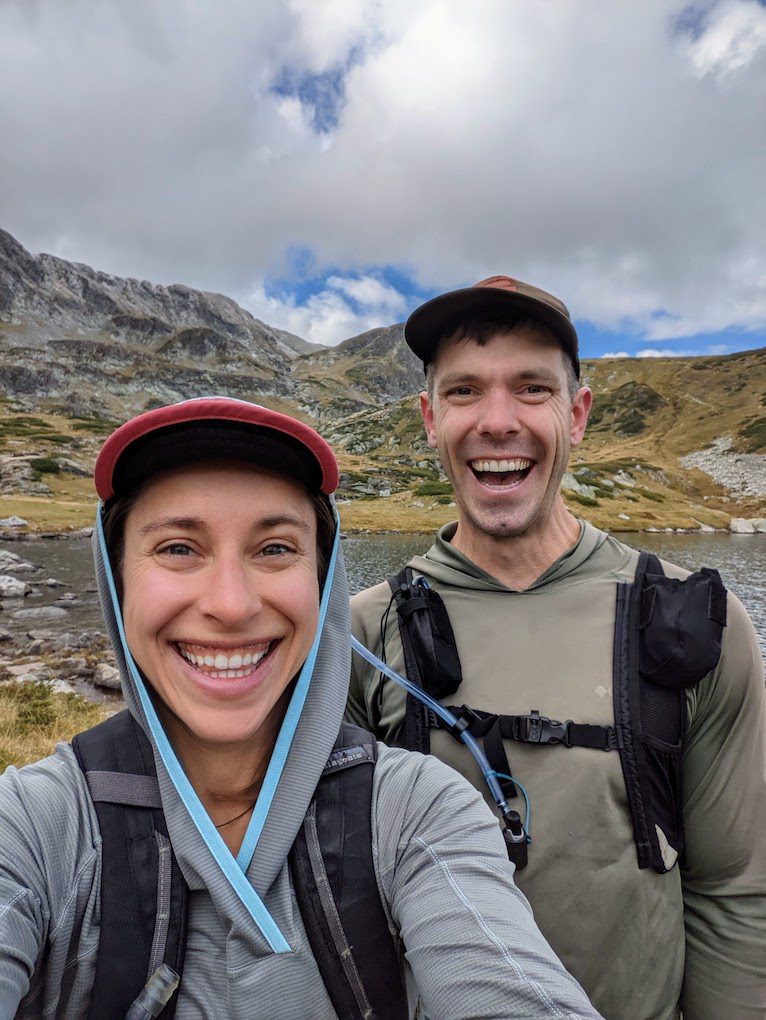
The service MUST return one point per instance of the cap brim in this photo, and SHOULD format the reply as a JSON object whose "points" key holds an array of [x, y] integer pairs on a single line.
{"points": [[439, 316], [213, 428]]}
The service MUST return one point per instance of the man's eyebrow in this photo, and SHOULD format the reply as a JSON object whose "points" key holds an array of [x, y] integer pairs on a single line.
{"points": [[197, 524]]}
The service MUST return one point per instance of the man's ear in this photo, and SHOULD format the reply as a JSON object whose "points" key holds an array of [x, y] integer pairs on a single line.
{"points": [[580, 410], [427, 414]]}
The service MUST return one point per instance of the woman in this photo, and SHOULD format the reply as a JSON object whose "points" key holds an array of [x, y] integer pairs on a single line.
{"points": [[225, 597]]}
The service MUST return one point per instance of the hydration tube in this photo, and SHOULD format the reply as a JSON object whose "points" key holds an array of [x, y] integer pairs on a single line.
{"points": [[516, 838]]}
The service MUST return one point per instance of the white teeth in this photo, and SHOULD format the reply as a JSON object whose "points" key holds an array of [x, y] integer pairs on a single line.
{"points": [[225, 666], [498, 466]]}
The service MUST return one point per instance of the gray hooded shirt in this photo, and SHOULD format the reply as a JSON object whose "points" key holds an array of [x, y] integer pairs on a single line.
{"points": [[470, 945]]}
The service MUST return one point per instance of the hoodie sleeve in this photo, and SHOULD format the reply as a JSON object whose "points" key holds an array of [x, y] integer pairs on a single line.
{"points": [[724, 871], [469, 935], [49, 870]]}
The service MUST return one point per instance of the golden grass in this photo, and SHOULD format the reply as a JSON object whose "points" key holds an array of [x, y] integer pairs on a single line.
{"points": [[34, 718]]}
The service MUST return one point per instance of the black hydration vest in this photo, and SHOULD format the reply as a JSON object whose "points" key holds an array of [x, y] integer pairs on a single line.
{"points": [[144, 895], [667, 637]]}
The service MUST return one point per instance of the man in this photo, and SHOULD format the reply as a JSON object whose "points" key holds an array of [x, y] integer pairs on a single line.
{"points": [[533, 597]]}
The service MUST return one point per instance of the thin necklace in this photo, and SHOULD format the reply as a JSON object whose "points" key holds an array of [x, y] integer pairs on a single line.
{"points": [[236, 817]]}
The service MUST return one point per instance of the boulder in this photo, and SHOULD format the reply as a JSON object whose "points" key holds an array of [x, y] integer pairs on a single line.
{"points": [[12, 522], [13, 588], [107, 676], [12, 563], [741, 526], [39, 613]]}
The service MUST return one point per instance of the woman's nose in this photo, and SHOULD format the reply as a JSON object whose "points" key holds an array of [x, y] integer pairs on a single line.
{"points": [[230, 593]]}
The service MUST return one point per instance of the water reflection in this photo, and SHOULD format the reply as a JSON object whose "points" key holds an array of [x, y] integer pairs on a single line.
{"points": [[741, 559]]}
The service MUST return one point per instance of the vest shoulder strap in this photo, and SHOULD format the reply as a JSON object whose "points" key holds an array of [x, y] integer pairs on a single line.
{"points": [[143, 893], [431, 658], [667, 637], [356, 950]]}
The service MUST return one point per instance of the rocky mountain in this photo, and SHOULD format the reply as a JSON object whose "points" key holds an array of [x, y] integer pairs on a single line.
{"points": [[671, 441], [368, 370], [72, 336]]}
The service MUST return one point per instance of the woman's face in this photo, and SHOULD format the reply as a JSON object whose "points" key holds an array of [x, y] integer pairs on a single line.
{"points": [[220, 598]]}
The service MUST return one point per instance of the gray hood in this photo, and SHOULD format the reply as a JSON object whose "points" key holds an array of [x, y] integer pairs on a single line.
{"points": [[239, 887]]}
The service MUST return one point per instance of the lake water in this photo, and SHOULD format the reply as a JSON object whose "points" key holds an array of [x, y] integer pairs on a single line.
{"points": [[741, 560]]}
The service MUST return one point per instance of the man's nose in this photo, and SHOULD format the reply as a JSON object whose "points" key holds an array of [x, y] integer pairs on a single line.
{"points": [[231, 592], [498, 414]]}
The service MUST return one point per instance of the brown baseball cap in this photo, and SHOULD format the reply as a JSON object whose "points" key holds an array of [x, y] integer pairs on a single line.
{"points": [[489, 298]]}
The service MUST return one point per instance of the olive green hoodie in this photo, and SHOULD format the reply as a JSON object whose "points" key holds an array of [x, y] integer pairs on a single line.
{"points": [[640, 943]]}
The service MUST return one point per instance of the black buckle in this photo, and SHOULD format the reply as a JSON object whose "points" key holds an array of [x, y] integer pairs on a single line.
{"points": [[538, 729]]}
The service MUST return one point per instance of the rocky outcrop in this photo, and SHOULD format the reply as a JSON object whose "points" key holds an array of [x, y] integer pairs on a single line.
{"points": [[743, 474], [106, 344]]}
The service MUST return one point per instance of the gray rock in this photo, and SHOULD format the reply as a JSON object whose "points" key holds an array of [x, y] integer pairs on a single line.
{"points": [[741, 526], [743, 474], [51, 582], [40, 613], [12, 522], [5, 635], [107, 676], [570, 483], [13, 588], [12, 563]]}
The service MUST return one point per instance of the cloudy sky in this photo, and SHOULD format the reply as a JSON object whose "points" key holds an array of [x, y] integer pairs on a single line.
{"points": [[331, 163]]}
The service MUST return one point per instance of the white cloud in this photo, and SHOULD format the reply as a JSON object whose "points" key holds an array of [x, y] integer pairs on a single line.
{"points": [[615, 354], [345, 307], [608, 153], [733, 34]]}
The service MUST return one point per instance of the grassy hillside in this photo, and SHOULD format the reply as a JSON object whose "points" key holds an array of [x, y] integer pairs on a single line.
{"points": [[628, 474]]}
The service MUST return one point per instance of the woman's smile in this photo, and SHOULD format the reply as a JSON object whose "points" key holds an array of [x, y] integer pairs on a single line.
{"points": [[219, 664]]}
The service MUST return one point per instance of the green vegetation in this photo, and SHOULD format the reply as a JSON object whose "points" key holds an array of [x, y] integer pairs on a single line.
{"points": [[578, 497], [34, 718], [45, 465], [433, 489], [755, 433]]}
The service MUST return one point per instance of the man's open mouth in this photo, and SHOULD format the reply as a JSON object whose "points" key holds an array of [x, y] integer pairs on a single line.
{"points": [[225, 665], [501, 472]]}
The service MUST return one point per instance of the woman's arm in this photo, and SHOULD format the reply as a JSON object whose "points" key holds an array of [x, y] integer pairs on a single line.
{"points": [[49, 868], [469, 934]]}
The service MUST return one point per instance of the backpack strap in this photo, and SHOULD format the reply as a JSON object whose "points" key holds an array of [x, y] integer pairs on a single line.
{"points": [[143, 893], [333, 872], [667, 637], [430, 653]]}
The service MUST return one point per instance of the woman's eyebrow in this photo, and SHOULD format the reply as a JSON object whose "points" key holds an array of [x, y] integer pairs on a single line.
{"points": [[196, 524], [276, 519], [183, 523]]}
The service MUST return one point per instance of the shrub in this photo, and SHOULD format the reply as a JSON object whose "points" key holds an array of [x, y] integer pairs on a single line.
{"points": [[45, 465], [433, 489]]}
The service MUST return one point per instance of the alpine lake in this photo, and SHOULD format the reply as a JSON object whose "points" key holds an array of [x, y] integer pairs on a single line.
{"points": [[741, 560]]}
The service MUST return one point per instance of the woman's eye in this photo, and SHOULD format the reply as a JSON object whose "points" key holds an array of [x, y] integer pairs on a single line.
{"points": [[176, 549], [276, 549]]}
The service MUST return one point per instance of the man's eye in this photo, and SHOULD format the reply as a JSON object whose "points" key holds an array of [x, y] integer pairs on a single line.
{"points": [[460, 391]]}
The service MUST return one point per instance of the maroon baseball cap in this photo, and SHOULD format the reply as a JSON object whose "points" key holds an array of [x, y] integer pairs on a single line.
{"points": [[210, 428], [491, 298]]}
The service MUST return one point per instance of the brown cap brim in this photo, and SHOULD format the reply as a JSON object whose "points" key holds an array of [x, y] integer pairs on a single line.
{"points": [[441, 315]]}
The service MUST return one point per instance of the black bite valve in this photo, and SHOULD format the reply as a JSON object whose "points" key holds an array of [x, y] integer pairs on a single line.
{"points": [[515, 840]]}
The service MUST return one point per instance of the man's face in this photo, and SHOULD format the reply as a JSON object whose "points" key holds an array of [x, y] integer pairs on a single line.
{"points": [[503, 422]]}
